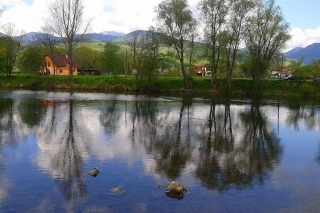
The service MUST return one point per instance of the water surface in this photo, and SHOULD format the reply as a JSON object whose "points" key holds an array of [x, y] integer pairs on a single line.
{"points": [[236, 155]]}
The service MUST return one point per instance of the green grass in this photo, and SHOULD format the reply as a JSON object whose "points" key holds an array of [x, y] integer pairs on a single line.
{"points": [[158, 84]]}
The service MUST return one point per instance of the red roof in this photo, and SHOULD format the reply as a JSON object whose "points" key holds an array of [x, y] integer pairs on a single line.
{"points": [[60, 60]]}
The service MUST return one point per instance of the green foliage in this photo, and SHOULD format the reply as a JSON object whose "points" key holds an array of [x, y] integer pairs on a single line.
{"points": [[177, 27], [170, 84], [110, 59], [315, 69], [307, 89], [8, 53], [266, 34], [30, 59], [86, 57]]}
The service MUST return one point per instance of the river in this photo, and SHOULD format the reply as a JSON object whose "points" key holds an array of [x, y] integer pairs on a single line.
{"points": [[231, 155]]}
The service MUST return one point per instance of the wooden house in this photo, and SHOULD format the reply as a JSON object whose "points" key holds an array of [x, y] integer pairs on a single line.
{"points": [[58, 65], [201, 70]]}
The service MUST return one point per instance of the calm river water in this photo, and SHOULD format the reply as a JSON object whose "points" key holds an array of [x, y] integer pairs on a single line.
{"points": [[237, 155]]}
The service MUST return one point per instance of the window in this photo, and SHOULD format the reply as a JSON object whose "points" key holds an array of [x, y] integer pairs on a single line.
{"points": [[48, 64], [61, 70]]}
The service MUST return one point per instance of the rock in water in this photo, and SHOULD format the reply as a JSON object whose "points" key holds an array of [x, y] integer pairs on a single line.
{"points": [[94, 172], [117, 190], [175, 190]]}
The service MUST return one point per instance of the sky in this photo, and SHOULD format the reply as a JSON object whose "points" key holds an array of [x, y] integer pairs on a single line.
{"points": [[127, 15]]}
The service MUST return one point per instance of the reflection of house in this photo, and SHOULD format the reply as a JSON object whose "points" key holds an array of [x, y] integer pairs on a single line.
{"points": [[59, 65]]}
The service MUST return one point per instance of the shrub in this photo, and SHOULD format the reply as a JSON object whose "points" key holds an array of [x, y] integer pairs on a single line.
{"points": [[307, 89]]}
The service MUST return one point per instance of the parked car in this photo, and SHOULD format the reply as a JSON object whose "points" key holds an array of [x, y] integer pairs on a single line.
{"points": [[289, 77]]}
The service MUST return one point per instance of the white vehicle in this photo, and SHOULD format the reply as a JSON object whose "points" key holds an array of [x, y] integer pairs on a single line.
{"points": [[208, 73]]}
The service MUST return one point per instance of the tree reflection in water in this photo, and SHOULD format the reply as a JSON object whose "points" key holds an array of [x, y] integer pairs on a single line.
{"points": [[164, 136], [222, 145], [239, 148], [63, 139]]}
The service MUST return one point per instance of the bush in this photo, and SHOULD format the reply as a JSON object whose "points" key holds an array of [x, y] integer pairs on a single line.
{"points": [[307, 89]]}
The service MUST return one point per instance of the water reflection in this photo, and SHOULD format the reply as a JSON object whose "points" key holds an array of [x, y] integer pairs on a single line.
{"points": [[240, 147], [309, 116], [222, 144]]}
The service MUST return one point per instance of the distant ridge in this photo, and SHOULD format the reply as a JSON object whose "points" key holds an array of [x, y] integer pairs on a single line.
{"points": [[101, 37], [309, 53], [128, 37], [112, 33]]}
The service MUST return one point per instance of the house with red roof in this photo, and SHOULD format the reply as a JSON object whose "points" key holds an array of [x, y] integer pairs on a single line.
{"points": [[59, 65]]}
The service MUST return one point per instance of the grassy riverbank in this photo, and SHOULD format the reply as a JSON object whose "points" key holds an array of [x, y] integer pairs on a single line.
{"points": [[159, 84]]}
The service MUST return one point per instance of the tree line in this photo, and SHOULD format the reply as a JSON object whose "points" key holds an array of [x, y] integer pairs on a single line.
{"points": [[216, 36]]}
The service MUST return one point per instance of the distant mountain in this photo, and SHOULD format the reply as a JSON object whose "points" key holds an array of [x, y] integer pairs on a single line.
{"points": [[101, 37], [29, 37], [129, 37], [113, 33], [294, 50], [309, 53]]}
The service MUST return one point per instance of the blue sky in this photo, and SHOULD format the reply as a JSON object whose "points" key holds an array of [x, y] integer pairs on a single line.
{"points": [[128, 15], [303, 14]]}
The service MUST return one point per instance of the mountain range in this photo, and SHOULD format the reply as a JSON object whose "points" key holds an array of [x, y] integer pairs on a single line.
{"points": [[308, 54]]}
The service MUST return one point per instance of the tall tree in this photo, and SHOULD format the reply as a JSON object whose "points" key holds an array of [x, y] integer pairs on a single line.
{"points": [[235, 30], [135, 41], [46, 39], [266, 33], [213, 18], [87, 57], [176, 23], [110, 59], [30, 59], [151, 57], [11, 46], [66, 20]]}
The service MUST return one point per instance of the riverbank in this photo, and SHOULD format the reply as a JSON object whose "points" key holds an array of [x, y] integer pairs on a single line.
{"points": [[159, 84]]}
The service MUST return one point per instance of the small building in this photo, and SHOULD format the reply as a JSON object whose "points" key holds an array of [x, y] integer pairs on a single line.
{"points": [[201, 70], [89, 72], [58, 65]]}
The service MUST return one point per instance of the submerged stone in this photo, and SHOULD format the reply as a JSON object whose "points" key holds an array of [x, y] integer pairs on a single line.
{"points": [[94, 172]]}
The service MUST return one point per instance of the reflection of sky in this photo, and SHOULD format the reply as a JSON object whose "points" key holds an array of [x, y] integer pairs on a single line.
{"points": [[4, 187], [297, 172], [124, 156]]}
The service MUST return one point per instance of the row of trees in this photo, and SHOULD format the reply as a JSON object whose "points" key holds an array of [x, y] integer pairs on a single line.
{"points": [[225, 25]]}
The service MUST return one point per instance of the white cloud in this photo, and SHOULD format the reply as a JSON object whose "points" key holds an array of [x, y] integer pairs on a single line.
{"points": [[303, 38], [26, 18], [116, 15]]}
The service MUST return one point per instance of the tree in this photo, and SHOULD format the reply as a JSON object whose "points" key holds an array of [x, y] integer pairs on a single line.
{"points": [[11, 46], [175, 22], [239, 12], [30, 59], [266, 33], [315, 69], [151, 58], [135, 42], [110, 59], [213, 17], [44, 38], [66, 21], [86, 57]]}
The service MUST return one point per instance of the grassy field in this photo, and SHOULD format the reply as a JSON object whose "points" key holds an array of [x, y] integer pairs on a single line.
{"points": [[158, 84]]}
